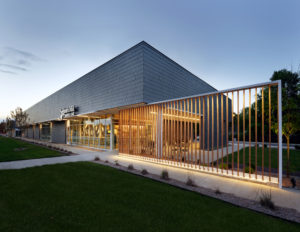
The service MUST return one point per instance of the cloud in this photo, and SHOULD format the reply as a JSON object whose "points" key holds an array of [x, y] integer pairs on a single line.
{"points": [[14, 60], [23, 62], [6, 71], [13, 67], [25, 55]]}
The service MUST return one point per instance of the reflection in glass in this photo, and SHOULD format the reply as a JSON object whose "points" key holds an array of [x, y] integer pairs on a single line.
{"points": [[94, 132]]}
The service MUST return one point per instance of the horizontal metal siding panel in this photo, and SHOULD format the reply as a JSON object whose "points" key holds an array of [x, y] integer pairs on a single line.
{"points": [[58, 132], [116, 83]]}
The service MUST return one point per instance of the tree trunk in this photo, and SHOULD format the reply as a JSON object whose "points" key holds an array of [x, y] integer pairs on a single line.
{"points": [[288, 157]]}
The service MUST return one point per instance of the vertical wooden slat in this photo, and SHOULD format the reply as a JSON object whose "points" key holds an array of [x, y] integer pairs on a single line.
{"points": [[200, 133], [203, 130], [212, 132], [232, 132], [184, 132], [164, 132], [195, 140], [227, 132], [181, 131], [222, 130], [238, 132], [255, 133], [191, 136], [263, 133], [188, 132], [249, 133], [173, 134], [218, 136], [244, 133], [269, 133], [177, 125], [169, 133], [208, 127]]}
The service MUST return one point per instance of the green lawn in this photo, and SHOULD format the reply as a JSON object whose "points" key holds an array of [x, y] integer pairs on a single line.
{"points": [[294, 158], [14, 149], [90, 197]]}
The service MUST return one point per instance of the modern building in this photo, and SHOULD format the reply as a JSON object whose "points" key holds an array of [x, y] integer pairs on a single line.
{"points": [[86, 112], [145, 105]]}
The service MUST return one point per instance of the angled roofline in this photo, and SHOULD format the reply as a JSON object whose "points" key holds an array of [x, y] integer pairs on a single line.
{"points": [[120, 54], [153, 48], [110, 60]]}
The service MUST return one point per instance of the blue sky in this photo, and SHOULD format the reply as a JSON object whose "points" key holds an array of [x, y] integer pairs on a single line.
{"points": [[45, 45]]}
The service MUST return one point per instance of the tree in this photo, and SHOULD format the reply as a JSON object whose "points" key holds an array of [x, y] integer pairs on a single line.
{"points": [[2, 127], [290, 83], [20, 117]]}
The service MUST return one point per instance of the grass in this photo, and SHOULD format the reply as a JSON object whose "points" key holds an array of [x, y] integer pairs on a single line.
{"points": [[9, 150], [294, 158], [90, 197]]}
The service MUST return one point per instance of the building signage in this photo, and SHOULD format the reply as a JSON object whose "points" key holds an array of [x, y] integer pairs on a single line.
{"points": [[68, 111]]}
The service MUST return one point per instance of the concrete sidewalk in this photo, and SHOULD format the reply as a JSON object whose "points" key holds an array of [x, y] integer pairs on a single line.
{"points": [[82, 155]]}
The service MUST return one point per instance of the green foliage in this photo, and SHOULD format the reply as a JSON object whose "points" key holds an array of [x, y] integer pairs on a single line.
{"points": [[165, 175], [265, 200], [247, 170]]}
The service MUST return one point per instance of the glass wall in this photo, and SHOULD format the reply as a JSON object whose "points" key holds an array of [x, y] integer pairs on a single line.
{"points": [[92, 132], [45, 129]]}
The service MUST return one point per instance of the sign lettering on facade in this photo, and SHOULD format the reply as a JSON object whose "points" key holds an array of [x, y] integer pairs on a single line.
{"points": [[68, 111]]}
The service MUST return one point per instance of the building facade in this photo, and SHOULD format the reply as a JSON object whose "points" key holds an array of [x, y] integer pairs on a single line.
{"points": [[87, 111], [145, 105]]}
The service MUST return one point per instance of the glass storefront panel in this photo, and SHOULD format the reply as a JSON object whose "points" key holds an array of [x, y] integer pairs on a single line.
{"points": [[96, 132], [45, 131]]}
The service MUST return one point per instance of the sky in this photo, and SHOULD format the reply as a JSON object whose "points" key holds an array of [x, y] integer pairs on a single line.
{"points": [[45, 45]]}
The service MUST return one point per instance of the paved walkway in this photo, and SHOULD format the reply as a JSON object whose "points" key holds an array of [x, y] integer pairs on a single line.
{"points": [[282, 197], [82, 155]]}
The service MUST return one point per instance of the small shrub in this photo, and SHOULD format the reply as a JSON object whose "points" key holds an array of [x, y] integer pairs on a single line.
{"points": [[224, 166], [106, 161], [97, 158], [293, 181], [217, 191], [165, 175], [117, 163], [144, 172], [252, 169], [130, 167], [190, 182], [266, 200]]}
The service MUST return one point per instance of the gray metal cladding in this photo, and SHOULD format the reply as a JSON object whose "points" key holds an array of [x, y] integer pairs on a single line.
{"points": [[58, 132], [115, 83], [140, 74], [165, 79]]}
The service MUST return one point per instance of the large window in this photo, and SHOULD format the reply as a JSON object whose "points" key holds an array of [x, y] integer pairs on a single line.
{"points": [[91, 132], [45, 129]]}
